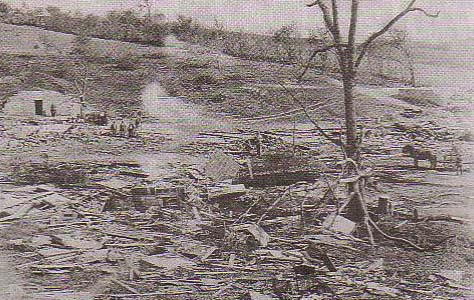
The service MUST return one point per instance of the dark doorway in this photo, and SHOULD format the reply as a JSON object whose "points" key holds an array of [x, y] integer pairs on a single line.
{"points": [[39, 107]]}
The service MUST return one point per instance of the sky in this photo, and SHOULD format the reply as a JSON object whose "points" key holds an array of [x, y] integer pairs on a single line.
{"points": [[456, 21]]}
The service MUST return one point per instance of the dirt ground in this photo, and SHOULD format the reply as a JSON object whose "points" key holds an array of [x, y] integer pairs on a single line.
{"points": [[173, 143]]}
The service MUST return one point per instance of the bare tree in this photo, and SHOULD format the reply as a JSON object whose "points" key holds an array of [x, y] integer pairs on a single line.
{"points": [[394, 48], [79, 69], [350, 55]]}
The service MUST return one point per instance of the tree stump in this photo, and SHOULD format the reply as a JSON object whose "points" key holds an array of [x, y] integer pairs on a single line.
{"points": [[385, 206]]}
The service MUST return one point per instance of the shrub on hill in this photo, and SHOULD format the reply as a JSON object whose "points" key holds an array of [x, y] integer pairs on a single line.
{"points": [[125, 25], [204, 77], [284, 46]]}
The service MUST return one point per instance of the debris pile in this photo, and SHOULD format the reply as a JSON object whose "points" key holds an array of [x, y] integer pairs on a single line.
{"points": [[199, 235], [424, 131]]}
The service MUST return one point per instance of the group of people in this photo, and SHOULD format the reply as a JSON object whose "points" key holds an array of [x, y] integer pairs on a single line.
{"points": [[125, 129]]}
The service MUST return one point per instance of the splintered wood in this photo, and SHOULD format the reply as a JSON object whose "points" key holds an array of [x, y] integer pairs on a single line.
{"points": [[221, 167]]}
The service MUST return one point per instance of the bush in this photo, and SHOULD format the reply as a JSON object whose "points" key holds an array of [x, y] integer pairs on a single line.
{"points": [[182, 26], [196, 64], [217, 97], [205, 77], [155, 55], [127, 63], [45, 172], [81, 45], [155, 34]]}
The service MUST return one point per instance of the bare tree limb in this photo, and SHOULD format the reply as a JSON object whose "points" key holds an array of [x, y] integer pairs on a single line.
{"points": [[364, 46], [305, 111], [353, 24], [425, 12], [353, 30], [336, 31], [316, 52], [331, 20], [326, 15], [392, 238], [335, 22]]}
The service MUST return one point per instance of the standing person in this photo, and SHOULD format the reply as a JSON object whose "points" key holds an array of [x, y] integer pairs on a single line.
{"points": [[131, 130], [53, 110], [113, 128], [122, 128], [138, 120], [458, 160], [103, 119]]}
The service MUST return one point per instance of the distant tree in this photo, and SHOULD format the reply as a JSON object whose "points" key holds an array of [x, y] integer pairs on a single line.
{"points": [[395, 47], [183, 25], [147, 5], [155, 33], [56, 19], [81, 45], [126, 17], [92, 24], [4, 9], [286, 36], [54, 11]]}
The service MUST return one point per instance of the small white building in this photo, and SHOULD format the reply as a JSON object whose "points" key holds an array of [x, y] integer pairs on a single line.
{"points": [[42, 103]]}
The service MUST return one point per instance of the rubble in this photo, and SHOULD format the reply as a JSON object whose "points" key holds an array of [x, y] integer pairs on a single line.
{"points": [[258, 233], [340, 224], [221, 166], [226, 191], [168, 261], [264, 224]]}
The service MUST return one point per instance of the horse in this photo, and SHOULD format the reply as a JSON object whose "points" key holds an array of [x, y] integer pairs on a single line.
{"points": [[420, 154]]}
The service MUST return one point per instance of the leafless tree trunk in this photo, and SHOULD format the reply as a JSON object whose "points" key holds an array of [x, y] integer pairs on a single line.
{"points": [[350, 55]]}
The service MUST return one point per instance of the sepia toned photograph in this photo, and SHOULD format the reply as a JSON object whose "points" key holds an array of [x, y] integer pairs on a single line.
{"points": [[236, 149]]}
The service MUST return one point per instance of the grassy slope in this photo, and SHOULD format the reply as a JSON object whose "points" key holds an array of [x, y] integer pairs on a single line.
{"points": [[40, 59], [449, 67], [223, 83], [250, 88]]}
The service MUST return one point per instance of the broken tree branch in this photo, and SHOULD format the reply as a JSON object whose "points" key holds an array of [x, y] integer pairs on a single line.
{"points": [[392, 238], [365, 46], [275, 203], [316, 52], [306, 113], [247, 211], [326, 14], [126, 286], [336, 30]]}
